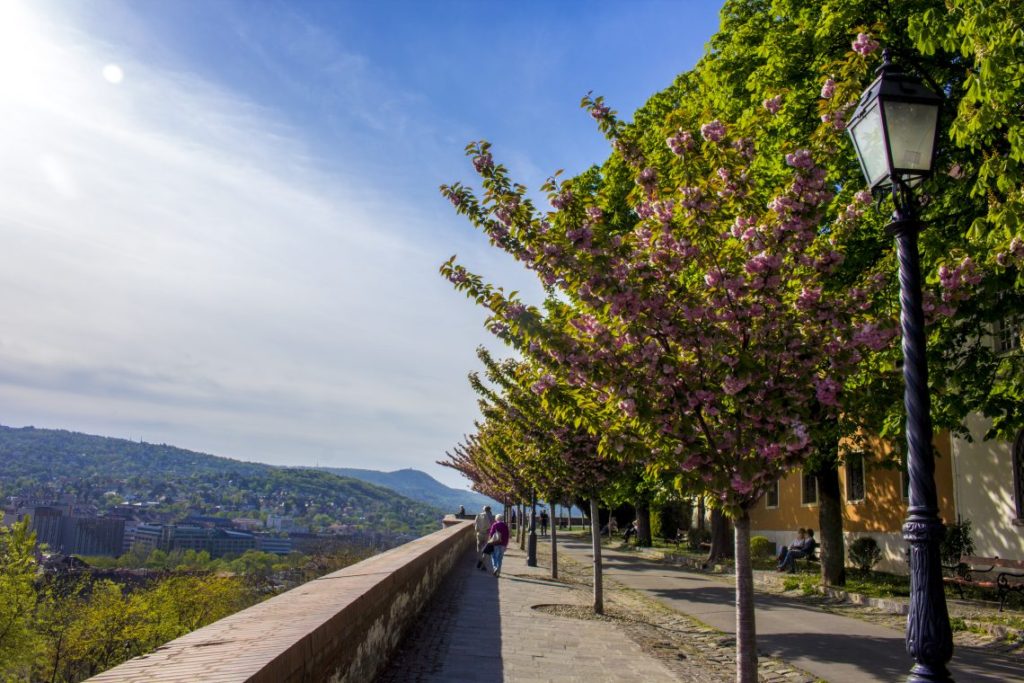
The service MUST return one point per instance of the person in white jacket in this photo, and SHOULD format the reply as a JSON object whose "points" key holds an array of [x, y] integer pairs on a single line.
{"points": [[482, 524]]}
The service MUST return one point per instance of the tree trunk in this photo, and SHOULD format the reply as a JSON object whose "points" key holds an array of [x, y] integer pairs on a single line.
{"points": [[700, 512], [830, 519], [643, 525], [721, 544], [554, 543], [522, 526], [595, 535], [746, 631]]}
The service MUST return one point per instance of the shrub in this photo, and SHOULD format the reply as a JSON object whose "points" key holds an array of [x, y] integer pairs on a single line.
{"points": [[956, 543], [667, 518], [761, 547], [865, 553], [695, 537]]}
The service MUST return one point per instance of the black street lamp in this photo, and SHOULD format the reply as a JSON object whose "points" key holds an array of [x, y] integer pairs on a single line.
{"points": [[894, 130], [531, 541]]}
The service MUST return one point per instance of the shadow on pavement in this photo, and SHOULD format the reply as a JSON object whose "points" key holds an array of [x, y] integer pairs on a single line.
{"points": [[457, 636]]}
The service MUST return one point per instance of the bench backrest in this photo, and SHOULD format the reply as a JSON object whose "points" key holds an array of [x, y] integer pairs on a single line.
{"points": [[975, 561]]}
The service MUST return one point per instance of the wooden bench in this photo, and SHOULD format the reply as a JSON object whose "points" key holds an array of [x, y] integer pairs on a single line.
{"points": [[987, 572]]}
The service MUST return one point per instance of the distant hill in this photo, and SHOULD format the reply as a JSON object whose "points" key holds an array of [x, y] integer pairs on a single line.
{"points": [[420, 486], [102, 471]]}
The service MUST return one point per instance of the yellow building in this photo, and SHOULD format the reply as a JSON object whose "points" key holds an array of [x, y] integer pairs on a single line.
{"points": [[976, 480], [874, 502]]}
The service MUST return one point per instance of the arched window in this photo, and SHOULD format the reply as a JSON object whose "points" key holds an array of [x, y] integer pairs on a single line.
{"points": [[1018, 475]]}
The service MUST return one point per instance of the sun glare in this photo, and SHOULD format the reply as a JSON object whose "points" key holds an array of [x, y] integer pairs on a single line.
{"points": [[113, 73], [23, 54]]}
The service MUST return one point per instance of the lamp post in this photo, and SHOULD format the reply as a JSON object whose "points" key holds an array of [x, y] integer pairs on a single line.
{"points": [[531, 541], [894, 130]]}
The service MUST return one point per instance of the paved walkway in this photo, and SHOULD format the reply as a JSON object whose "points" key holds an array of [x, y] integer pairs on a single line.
{"points": [[482, 628], [835, 648]]}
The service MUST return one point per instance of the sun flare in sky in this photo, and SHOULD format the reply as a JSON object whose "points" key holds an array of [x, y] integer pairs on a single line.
{"points": [[235, 250]]}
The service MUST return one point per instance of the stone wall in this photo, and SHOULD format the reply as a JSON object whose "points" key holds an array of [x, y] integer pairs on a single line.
{"points": [[341, 627]]}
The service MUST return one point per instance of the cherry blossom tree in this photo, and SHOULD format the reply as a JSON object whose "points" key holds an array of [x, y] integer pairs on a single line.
{"points": [[705, 325]]}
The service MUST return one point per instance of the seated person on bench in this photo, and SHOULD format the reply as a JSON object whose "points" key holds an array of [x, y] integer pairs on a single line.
{"points": [[802, 547]]}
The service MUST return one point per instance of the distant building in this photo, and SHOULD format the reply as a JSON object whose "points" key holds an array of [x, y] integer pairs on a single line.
{"points": [[170, 537], [273, 544], [206, 521], [92, 535], [284, 523], [247, 523], [67, 533]]}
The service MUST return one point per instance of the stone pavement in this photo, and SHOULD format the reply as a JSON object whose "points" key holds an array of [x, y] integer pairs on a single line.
{"points": [[837, 649], [482, 628]]}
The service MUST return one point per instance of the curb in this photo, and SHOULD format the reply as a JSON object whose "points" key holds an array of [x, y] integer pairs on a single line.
{"points": [[889, 605]]}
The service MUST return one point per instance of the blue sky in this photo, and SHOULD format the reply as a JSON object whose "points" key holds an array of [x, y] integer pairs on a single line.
{"points": [[221, 221]]}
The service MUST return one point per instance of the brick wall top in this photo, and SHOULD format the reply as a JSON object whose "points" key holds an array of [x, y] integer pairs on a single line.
{"points": [[278, 639]]}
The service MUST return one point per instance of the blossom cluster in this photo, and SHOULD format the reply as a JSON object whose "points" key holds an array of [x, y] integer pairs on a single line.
{"points": [[865, 44], [706, 326]]}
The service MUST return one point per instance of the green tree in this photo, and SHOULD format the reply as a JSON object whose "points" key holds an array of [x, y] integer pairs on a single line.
{"points": [[19, 642]]}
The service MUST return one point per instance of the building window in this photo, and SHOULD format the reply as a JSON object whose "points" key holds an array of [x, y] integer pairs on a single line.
{"points": [[771, 496], [1007, 334], [1018, 475], [809, 489], [855, 477]]}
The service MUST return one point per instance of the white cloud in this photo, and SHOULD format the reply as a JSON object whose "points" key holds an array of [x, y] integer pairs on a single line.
{"points": [[174, 267]]}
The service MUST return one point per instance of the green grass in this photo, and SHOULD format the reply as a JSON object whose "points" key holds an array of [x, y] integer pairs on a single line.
{"points": [[877, 584], [805, 583]]}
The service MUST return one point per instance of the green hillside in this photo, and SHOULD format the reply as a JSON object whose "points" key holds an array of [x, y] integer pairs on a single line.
{"points": [[419, 486], [104, 472]]}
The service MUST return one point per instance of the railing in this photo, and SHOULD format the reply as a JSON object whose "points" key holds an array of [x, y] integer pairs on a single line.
{"points": [[341, 627]]}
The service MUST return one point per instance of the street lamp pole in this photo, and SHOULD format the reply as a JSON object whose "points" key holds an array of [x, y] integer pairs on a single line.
{"points": [[929, 635], [531, 541], [894, 131]]}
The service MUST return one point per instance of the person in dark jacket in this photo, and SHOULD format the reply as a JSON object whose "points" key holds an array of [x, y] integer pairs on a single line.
{"points": [[798, 550], [498, 537]]}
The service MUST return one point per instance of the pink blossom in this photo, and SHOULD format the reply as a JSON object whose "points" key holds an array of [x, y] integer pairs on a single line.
{"points": [[515, 311], [1017, 248], [714, 131], [647, 178], [595, 214], [483, 162], [628, 406], [864, 44], [826, 390], [828, 88], [800, 159], [741, 486], [562, 200], [680, 142], [455, 198], [600, 111], [808, 298], [543, 384], [773, 104], [734, 385], [802, 438], [863, 197]]}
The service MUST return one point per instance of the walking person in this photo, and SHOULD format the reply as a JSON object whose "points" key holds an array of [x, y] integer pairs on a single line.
{"points": [[543, 522], [482, 525], [498, 536]]}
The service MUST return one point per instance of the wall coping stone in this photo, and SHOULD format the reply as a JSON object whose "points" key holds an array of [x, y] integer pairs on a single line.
{"points": [[338, 627]]}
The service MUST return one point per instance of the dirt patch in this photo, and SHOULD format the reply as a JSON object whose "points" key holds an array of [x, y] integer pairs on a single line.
{"points": [[692, 650]]}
